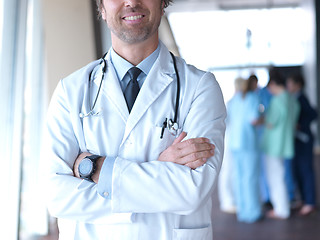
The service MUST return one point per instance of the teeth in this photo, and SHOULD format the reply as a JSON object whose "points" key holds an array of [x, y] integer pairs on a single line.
{"points": [[132, 18]]}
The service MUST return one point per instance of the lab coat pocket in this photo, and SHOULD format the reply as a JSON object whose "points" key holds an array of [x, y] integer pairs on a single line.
{"points": [[191, 234], [167, 136], [156, 144]]}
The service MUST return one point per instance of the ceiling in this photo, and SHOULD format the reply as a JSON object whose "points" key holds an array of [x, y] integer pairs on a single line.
{"points": [[201, 5]]}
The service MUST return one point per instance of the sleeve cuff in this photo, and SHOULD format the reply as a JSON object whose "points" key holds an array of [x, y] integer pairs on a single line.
{"points": [[105, 178]]}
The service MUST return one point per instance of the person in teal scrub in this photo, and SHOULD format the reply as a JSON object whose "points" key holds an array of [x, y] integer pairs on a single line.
{"points": [[278, 143]]}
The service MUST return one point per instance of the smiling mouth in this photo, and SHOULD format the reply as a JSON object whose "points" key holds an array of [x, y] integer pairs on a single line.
{"points": [[133, 18]]}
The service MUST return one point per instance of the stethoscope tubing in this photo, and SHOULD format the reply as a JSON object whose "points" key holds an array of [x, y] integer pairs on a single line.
{"points": [[178, 88], [104, 68]]}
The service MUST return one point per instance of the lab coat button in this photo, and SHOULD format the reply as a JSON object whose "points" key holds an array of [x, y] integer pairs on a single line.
{"points": [[106, 194]]}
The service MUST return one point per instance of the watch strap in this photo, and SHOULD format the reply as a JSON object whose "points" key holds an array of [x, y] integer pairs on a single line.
{"points": [[93, 158]]}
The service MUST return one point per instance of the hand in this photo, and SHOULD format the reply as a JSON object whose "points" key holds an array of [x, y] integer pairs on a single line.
{"points": [[192, 152], [258, 122], [95, 176]]}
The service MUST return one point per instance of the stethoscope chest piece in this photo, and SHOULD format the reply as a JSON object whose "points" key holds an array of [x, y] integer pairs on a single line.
{"points": [[172, 127]]}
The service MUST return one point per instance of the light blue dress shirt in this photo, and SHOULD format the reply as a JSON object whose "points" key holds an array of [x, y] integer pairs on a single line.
{"points": [[121, 67]]}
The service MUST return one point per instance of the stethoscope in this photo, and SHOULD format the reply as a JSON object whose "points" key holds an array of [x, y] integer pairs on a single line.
{"points": [[172, 125]]}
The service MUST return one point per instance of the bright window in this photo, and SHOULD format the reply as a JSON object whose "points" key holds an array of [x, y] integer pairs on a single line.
{"points": [[240, 42], [33, 213], [1, 24], [21, 91]]}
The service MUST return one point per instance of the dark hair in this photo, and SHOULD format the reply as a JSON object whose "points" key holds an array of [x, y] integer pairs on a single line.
{"points": [[100, 2], [276, 77], [249, 84], [297, 79], [252, 80]]}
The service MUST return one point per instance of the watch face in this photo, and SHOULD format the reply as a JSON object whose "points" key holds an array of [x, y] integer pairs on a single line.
{"points": [[85, 167]]}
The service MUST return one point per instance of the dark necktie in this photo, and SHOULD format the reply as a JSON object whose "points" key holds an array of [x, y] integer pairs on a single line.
{"points": [[132, 88]]}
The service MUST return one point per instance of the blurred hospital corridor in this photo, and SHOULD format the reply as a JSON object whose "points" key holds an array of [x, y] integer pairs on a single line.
{"points": [[226, 226]]}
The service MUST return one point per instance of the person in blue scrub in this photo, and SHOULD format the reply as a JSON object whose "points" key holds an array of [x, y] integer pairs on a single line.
{"points": [[302, 162], [265, 98], [243, 113], [226, 186]]}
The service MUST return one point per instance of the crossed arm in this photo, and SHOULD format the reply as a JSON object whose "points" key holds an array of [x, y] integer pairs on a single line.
{"points": [[192, 153], [172, 186]]}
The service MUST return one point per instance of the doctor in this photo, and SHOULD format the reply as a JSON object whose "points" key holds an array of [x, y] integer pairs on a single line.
{"points": [[116, 170]]}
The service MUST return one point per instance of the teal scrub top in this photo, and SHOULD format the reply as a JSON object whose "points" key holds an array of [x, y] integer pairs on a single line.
{"points": [[281, 119]]}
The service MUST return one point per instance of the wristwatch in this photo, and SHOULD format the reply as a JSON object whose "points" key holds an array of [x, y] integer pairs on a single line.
{"points": [[87, 167]]}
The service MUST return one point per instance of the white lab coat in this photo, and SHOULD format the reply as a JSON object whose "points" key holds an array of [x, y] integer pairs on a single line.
{"points": [[150, 199]]}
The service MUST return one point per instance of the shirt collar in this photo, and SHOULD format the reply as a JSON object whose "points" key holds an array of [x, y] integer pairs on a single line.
{"points": [[122, 66]]}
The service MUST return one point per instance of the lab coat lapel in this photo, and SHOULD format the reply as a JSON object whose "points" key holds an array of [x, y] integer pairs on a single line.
{"points": [[112, 89], [158, 79]]}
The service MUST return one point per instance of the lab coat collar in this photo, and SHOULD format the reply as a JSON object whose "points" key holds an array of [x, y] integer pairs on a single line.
{"points": [[158, 79], [112, 89]]}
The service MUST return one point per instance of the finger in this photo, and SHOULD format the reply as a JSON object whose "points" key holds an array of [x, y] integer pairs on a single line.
{"points": [[195, 164], [194, 148], [195, 156], [179, 138], [189, 142]]}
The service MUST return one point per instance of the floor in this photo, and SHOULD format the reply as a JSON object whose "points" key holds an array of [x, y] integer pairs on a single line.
{"points": [[226, 226]]}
